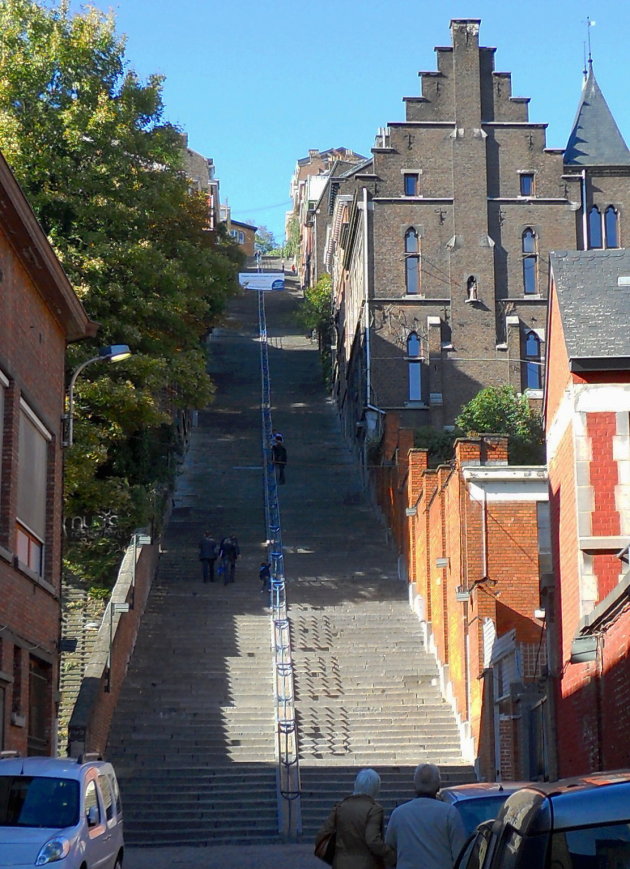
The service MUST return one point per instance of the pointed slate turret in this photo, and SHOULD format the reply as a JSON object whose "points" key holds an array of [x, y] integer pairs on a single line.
{"points": [[595, 139]]}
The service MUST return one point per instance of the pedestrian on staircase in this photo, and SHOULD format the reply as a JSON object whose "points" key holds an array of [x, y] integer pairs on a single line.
{"points": [[229, 553], [357, 822], [207, 556], [279, 457], [425, 832], [264, 575]]}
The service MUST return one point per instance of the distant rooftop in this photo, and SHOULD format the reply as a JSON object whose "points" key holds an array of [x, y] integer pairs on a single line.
{"points": [[593, 290]]}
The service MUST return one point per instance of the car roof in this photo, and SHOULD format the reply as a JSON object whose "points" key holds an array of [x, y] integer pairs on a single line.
{"points": [[475, 790], [49, 767], [598, 798]]}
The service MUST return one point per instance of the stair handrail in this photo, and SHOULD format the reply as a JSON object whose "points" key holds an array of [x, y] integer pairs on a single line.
{"points": [[288, 782]]}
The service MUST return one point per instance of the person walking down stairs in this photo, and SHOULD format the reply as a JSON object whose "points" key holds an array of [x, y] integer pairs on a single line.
{"points": [[228, 554], [207, 556]]}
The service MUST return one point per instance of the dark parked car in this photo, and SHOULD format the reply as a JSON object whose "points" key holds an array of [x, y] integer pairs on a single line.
{"points": [[479, 801], [580, 823]]}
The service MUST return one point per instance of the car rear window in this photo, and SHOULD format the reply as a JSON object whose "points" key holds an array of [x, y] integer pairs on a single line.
{"points": [[601, 847], [29, 801], [474, 812]]}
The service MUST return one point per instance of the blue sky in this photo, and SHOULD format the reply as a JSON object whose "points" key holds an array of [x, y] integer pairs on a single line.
{"points": [[256, 84]]}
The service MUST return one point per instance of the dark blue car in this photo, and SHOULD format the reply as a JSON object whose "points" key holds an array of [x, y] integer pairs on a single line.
{"points": [[579, 823]]}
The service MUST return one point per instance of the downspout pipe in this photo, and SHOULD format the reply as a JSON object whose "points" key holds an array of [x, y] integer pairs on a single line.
{"points": [[584, 215], [366, 302]]}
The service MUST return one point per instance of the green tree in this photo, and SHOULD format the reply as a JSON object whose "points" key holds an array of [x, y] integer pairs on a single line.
{"points": [[439, 443], [315, 314], [265, 240], [315, 310], [102, 168], [501, 410], [292, 244]]}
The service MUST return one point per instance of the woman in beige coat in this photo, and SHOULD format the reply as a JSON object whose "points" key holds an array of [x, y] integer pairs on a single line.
{"points": [[358, 823]]}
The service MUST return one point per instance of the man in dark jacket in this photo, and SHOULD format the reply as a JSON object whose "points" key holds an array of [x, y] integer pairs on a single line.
{"points": [[279, 458], [207, 556]]}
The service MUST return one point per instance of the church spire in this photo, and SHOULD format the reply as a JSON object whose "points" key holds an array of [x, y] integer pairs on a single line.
{"points": [[595, 139]]}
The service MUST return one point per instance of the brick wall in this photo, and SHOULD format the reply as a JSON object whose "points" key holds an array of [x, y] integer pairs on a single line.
{"points": [[32, 353], [495, 556], [94, 709], [592, 698]]}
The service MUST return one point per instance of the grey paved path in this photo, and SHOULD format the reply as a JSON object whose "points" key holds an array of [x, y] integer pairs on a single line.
{"points": [[330, 533], [225, 857]]}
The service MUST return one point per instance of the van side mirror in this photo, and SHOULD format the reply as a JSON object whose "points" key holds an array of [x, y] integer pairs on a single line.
{"points": [[92, 816]]}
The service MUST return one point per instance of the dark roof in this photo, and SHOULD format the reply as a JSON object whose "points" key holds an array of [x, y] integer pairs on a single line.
{"points": [[245, 225], [594, 308], [595, 139], [357, 168]]}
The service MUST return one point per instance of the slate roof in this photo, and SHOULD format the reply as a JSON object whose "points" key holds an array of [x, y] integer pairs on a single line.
{"points": [[595, 139], [357, 168], [594, 309]]}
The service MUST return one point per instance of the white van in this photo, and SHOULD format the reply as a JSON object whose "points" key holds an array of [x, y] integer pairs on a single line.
{"points": [[59, 809]]}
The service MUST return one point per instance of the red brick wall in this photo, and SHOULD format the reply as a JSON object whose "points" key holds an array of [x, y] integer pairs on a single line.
{"points": [[448, 524], [32, 355], [592, 699], [558, 375]]}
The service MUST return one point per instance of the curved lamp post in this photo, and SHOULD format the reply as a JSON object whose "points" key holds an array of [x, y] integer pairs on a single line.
{"points": [[111, 353]]}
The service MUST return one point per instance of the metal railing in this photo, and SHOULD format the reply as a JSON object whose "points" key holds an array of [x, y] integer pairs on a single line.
{"points": [[289, 806]]}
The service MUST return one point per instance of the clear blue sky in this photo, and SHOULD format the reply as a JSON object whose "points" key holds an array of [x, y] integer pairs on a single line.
{"points": [[256, 84]]}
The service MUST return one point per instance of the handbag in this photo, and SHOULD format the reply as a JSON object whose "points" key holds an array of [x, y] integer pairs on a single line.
{"points": [[325, 847]]}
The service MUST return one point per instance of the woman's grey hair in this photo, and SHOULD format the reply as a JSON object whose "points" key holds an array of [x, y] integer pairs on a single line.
{"points": [[368, 781], [426, 779]]}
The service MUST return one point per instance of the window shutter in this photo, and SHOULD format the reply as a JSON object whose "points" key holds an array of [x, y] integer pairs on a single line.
{"points": [[32, 474]]}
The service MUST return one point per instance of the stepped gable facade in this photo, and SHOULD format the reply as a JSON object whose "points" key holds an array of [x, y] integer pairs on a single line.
{"points": [[587, 420], [448, 236], [39, 314]]}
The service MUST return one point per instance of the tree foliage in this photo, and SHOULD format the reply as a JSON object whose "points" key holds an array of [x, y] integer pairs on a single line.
{"points": [[315, 315], [437, 442], [315, 310], [501, 410], [292, 244], [101, 167], [265, 240]]}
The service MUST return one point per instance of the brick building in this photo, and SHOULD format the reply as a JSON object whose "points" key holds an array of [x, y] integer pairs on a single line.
{"points": [[39, 314], [587, 419], [474, 535], [244, 234], [310, 178], [439, 244], [201, 173]]}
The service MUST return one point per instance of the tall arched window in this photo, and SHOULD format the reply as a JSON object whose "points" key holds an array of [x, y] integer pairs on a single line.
{"points": [[530, 262], [595, 228], [610, 226], [414, 365], [533, 367], [412, 262]]}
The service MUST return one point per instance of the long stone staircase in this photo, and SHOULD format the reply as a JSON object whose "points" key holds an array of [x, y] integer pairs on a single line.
{"points": [[367, 695], [81, 616], [193, 739]]}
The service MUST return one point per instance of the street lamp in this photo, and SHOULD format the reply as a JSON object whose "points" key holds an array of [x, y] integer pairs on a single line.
{"points": [[111, 353]]}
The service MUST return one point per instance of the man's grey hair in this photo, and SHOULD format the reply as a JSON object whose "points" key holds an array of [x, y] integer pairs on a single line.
{"points": [[426, 779], [368, 781]]}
